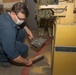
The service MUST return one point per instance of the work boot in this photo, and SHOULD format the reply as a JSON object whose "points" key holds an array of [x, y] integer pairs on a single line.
{"points": [[5, 64]]}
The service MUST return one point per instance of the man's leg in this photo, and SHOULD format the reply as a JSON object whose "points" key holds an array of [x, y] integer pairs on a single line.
{"points": [[21, 48], [4, 61], [21, 35], [3, 57]]}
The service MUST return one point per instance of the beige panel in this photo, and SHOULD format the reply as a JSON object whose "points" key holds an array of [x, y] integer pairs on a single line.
{"points": [[6, 1], [1, 1], [64, 63], [7, 4], [65, 35], [7, 9]]}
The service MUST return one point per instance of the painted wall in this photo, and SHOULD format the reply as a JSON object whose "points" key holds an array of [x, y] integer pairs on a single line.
{"points": [[31, 19]]}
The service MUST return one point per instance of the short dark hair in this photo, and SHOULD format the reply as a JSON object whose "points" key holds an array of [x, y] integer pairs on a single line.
{"points": [[20, 7]]}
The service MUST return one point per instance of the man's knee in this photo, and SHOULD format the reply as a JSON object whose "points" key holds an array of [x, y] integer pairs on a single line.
{"points": [[25, 50]]}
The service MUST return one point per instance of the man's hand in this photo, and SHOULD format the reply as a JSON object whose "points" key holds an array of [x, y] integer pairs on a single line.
{"points": [[29, 63], [30, 36], [20, 59]]}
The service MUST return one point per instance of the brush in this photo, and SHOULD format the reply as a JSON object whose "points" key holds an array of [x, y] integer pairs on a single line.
{"points": [[37, 58]]}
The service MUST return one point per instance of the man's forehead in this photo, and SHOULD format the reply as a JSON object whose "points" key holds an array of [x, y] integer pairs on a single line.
{"points": [[21, 14]]}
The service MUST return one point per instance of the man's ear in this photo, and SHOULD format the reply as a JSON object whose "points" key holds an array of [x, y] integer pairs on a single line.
{"points": [[13, 14]]}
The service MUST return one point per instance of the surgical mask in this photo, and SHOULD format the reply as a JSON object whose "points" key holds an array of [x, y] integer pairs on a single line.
{"points": [[19, 22]]}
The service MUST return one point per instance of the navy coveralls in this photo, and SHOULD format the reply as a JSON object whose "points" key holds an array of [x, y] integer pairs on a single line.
{"points": [[11, 38]]}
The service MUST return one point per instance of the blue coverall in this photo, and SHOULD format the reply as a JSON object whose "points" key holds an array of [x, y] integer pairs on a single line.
{"points": [[11, 38]]}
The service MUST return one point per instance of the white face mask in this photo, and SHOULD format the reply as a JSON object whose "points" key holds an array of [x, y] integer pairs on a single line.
{"points": [[19, 22]]}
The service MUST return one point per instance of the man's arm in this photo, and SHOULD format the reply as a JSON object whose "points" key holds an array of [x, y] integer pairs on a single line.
{"points": [[9, 46], [29, 32]]}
